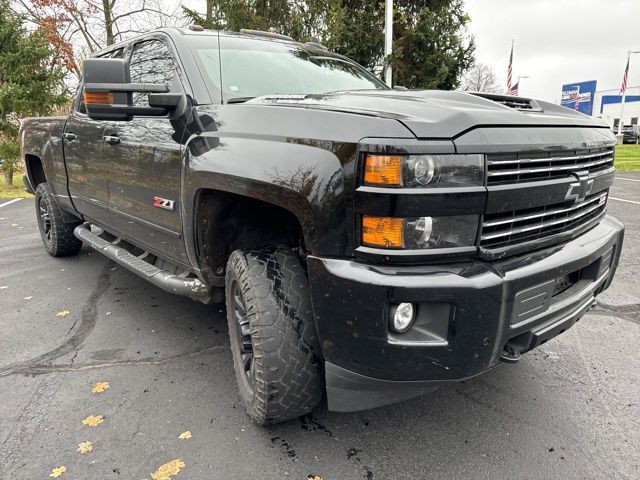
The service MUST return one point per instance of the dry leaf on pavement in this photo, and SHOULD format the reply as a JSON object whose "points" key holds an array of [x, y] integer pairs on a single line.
{"points": [[2, 287], [314, 477], [28, 298], [185, 435], [93, 420], [56, 472], [84, 447], [63, 313], [99, 387], [168, 470]]}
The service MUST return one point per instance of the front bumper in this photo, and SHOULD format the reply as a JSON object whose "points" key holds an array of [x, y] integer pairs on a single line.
{"points": [[473, 314]]}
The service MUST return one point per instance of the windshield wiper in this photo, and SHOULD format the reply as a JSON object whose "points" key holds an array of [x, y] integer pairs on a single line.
{"points": [[240, 99]]}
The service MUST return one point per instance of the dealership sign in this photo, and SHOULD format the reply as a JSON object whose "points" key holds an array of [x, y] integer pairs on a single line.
{"points": [[579, 96]]}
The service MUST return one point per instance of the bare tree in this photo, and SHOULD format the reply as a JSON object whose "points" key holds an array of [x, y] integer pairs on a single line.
{"points": [[481, 78], [77, 28]]}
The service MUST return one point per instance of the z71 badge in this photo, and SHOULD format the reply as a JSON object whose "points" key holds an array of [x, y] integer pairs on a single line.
{"points": [[164, 203]]}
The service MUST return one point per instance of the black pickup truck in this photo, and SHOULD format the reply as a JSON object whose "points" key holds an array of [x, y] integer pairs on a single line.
{"points": [[370, 243]]}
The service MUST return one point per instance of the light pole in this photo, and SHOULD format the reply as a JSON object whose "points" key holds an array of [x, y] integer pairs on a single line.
{"points": [[518, 82], [624, 93], [388, 40]]}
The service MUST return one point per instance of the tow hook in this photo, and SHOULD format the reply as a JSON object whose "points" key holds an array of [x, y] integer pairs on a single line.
{"points": [[510, 353]]}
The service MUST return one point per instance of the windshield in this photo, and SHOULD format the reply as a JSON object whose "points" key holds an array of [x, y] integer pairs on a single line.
{"points": [[252, 68]]}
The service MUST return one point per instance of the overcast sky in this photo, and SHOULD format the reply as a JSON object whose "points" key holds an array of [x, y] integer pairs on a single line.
{"points": [[558, 41]]}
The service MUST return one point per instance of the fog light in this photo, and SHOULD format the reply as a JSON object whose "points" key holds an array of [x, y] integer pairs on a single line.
{"points": [[403, 317]]}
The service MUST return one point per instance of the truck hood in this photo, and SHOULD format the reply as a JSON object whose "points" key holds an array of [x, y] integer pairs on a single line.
{"points": [[438, 113]]}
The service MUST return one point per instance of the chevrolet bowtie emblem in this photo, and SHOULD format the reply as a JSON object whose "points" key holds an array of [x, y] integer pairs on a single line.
{"points": [[580, 189]]}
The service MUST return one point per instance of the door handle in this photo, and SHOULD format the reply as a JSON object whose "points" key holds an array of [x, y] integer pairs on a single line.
{"points": [[69, 136], [111, 139]]}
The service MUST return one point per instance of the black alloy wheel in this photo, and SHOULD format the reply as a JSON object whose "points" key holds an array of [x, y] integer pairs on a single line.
{"points": [[243, 338]]}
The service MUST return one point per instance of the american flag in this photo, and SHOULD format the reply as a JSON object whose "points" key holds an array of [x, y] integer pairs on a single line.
{"points": [[513, 91], [510, 74], [625, 79]]}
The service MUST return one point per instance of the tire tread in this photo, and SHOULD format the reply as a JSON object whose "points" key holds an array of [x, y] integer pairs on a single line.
{"points": [[288, 363], [63, 242]]}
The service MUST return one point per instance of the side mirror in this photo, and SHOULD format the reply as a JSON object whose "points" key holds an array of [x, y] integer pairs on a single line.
{"points": [[108, 92]]}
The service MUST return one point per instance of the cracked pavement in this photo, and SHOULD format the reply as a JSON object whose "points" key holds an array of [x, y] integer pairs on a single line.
{"points": [[570, 409]]}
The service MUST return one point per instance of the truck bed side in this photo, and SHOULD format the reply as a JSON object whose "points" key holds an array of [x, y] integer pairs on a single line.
{"points": [[42, 152]]}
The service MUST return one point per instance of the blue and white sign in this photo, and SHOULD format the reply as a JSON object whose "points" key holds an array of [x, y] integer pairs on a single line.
{"points": [[579, 96]]}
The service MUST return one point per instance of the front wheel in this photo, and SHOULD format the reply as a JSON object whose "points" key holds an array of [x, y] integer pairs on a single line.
{"points": [[57, 236], [276, 354]]}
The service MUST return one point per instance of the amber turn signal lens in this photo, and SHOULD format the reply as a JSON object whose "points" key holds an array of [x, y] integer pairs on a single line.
{"points": [[103, 98], [383, 232], [383, 170]]}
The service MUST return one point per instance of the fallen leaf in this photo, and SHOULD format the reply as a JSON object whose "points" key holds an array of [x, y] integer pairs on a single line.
{"points": [[168, 470], [28, 298], [314, 477], [93, 420], [108, 313], [84, 447], [99, 387], [2, 287], [185, 435], [56, 472], [63, 313]]}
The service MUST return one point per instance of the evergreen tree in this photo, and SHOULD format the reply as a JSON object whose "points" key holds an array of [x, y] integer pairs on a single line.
{"points": [[431, 48], [30, 83]]}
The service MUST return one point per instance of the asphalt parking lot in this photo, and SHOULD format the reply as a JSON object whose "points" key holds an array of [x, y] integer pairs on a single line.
{"points": [[570, 409]]}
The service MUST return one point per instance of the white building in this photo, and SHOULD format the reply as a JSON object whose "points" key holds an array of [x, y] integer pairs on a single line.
{"points": [[606, 105]]}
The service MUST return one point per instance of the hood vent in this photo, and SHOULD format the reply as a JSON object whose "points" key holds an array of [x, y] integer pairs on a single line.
{"points": [[519, 103]]}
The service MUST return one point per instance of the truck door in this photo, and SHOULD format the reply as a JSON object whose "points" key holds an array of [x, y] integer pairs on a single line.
{"points": [[144, 157], [86, 170]]}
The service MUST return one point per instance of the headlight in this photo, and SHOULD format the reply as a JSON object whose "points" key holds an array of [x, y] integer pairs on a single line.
{"points": [[423, 170], [419, 232]]}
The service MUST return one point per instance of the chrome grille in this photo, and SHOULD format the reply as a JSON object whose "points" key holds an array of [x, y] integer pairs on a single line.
{"points": [[530, 167], [507, 229]]}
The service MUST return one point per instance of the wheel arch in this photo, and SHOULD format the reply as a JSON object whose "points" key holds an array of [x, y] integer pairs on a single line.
{"points": [[35, 171], [224, 221]]}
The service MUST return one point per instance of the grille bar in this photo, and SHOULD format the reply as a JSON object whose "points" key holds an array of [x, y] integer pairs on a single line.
{"points": [[550, 159], [544, 213], [544, 224], [510, 229], [530, 167], [554, 168]]}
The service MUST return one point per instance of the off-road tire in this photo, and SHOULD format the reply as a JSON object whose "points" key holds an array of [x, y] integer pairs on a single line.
{"points": [[288, 369], [57, 236]]}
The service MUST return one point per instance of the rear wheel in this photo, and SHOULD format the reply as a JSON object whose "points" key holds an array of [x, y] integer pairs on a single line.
{"points": [[275, 348], [57, 236]]}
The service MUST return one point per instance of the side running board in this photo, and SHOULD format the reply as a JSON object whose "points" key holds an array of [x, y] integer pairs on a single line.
{"points": [[178, 284]]}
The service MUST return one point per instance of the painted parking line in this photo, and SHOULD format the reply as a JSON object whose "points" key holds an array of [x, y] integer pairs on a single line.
{"points": [[10, 202], [619, 200], [628, 179]]}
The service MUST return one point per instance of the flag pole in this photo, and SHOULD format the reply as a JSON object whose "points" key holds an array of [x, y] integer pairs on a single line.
{"points": [[388, 41], [510, 69], [624, 94]]}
